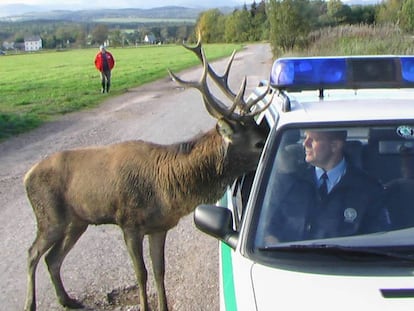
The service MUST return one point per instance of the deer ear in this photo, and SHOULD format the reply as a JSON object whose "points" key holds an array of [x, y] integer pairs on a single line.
{"points": [[225, 129]]}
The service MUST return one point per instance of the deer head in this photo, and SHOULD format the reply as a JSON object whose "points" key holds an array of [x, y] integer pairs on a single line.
{"points": [[236, 122]]}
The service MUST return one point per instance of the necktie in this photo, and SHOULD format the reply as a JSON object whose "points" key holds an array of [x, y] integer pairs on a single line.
{"points": [[323, 188]]}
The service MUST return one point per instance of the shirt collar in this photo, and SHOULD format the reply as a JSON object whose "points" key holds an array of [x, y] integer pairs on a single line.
{"points": [[334, 175]]}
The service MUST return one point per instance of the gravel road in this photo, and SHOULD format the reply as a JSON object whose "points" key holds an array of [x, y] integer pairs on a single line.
{"points": [[98, 270]]}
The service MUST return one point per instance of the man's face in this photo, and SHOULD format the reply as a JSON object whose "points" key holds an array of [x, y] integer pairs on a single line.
{"points": [[318, 148]]}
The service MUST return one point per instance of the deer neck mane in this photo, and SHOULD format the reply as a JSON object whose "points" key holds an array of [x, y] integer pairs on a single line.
{"points": [[206, 151], [198, 168]]}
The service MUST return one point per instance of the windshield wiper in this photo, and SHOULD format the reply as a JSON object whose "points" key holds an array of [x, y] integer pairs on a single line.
{"points": [[340, 250]]}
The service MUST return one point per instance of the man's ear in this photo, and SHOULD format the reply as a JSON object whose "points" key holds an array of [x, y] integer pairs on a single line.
{"points": [[225, 129], [337, 145]]}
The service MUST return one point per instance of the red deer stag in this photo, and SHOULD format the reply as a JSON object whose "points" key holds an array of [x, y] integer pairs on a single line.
{"points": [[142, 187]]}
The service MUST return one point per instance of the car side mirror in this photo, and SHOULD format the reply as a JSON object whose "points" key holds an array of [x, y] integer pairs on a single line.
{"points": [[216, 221]]}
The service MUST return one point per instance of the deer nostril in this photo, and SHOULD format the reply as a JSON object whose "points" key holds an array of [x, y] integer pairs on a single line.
{"points": [[260, 145]]}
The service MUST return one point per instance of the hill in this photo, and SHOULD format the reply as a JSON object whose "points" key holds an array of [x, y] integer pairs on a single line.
{"points": [[89, 15], [9, 13]]}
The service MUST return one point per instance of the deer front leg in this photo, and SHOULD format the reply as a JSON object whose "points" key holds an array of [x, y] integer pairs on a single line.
{"points": [[133, 240], [157, 246]]}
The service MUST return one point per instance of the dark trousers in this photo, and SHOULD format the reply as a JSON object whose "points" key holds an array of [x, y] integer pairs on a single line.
{"points": [[106, 80]]}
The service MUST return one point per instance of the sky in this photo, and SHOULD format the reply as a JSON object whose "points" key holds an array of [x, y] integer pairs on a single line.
{"points": [[79, 4]]}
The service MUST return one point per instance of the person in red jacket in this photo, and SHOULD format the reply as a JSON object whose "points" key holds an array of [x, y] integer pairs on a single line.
{"points": [[104, 62]]}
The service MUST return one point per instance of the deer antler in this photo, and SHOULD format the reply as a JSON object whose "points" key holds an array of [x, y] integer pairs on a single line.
{"points": [[221, 81], [215, 106]]}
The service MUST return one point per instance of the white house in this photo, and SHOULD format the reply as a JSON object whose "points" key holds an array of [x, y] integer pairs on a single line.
{"points": [[8, 45], [150, 38], [33, 43]]}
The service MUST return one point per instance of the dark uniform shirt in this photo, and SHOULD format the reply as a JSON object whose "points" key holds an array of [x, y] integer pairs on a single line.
{"points": [[353, 206]]}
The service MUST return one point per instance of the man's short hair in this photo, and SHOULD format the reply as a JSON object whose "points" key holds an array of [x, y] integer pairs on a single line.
{"points": [[331, 134]]}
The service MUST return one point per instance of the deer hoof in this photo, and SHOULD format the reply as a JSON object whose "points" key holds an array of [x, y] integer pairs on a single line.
{"points": [[72, 304]]}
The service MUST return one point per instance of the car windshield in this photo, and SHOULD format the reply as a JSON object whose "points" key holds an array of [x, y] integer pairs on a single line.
{"points": [[330, 184]]}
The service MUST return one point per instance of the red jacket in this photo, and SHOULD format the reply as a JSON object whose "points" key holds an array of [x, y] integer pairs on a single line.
{"points": [[99, 60]]}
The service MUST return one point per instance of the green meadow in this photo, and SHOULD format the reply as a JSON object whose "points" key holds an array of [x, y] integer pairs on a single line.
{"points": [[38, 87]]}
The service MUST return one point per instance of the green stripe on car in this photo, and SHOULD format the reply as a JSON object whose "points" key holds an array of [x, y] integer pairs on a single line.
{"points": [[228, 280]]}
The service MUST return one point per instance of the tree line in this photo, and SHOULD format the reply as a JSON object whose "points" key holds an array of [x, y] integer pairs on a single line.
{"points": [[289, 24], [286, 24], [66, 34]]}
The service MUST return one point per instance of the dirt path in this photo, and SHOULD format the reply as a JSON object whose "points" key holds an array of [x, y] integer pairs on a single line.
{"points": [[98, 270]]}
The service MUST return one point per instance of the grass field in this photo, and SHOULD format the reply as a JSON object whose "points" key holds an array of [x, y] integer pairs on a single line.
{"points": [[37, 87]]}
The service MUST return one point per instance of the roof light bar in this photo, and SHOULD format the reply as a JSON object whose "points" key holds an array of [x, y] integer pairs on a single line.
{"points": [[353, 72]]}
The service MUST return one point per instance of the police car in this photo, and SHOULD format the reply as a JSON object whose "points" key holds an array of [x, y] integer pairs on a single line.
{"points": [[284, 245]]}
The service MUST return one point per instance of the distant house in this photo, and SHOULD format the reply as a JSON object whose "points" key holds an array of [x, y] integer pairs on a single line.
{"points": [[33, 43], [150, 39], [8, 45]]}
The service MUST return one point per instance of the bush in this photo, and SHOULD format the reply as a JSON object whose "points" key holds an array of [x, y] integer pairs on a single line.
{"points": [[357, 40]]}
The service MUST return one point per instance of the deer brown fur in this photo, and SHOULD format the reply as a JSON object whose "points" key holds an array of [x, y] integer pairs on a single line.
{"points": [[142, 187]]}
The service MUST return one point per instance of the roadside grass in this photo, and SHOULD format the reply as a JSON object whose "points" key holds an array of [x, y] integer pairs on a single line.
{"points": [[35, 88], [358, 40]]}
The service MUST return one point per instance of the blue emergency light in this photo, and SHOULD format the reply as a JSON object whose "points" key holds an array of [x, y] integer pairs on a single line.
{"points": [[350, 72]]}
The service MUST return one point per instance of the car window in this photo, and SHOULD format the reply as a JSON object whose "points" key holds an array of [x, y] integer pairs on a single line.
{"points": [[336, 182], [240, 194]]}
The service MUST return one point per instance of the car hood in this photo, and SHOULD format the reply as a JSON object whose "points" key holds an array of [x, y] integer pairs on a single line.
{"points": [[289, 289]]}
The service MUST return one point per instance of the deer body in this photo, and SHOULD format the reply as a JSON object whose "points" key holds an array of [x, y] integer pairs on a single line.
{"points": [[142, 187], [117, 184]]}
